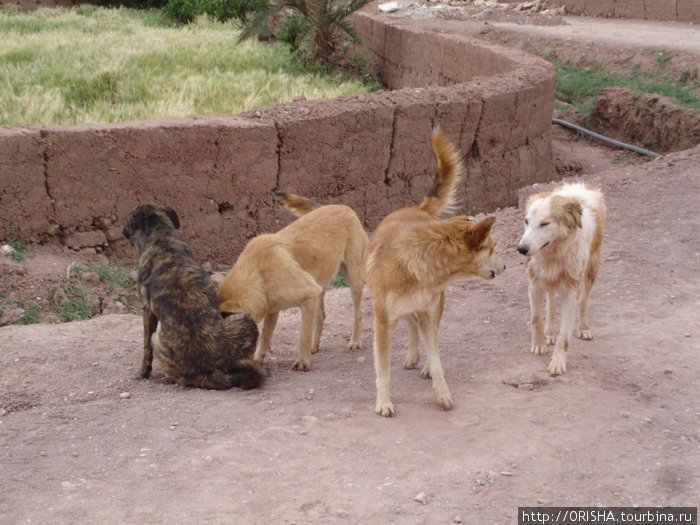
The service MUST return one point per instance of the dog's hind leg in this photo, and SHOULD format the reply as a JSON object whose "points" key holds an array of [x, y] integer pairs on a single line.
{"points": [[425, 371], [588, 280], [309, 314], [568, 315], [268, 326], [383, 331], [549, 316], [583, 330], [353, 272], [150, 322], [320, 320], [428, 326], [412, 356]]}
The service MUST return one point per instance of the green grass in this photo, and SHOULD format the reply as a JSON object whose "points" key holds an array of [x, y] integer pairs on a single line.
{"points": [[31, 310], [31, 314], [115, 278], [340, 281], [19, 247], [114, 275], [75, 306], [96, 65], [581, 86]]}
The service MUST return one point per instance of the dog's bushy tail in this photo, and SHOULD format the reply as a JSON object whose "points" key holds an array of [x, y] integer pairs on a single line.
{"points": [[449, 169], [297, 204], [245, 374]]}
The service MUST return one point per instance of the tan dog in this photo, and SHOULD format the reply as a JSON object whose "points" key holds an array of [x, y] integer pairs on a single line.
{"points": [[293, 267], [562, 240], [411, 258]]}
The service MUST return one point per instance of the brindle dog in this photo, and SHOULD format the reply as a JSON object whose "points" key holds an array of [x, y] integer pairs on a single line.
{"points": [[195, 346]]}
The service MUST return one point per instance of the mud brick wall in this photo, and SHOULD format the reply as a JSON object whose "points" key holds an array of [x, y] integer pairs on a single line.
{"points": [[369, 151], [668, 10]]}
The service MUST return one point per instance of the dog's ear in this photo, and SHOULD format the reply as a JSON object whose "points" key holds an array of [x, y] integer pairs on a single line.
{"points": [[477, 233], [567, 211], [172, 215], [575, 211]]}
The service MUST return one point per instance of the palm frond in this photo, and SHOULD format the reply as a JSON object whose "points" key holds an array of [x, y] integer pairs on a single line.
{"points": [[260, 21], [305, 40], [350, 30], [324, 17]]}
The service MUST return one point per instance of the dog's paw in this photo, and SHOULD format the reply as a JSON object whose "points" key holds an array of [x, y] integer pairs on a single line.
{"points": [[585, 335], [540, 349], [142, 374], [425, 371], [301, 365], [557, 365], [385, 409], [353, 345], [410, 362], [444, 399], [551, 339]]}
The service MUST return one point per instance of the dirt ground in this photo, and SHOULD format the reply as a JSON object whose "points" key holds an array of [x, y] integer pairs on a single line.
{"points": [[81, 442]]}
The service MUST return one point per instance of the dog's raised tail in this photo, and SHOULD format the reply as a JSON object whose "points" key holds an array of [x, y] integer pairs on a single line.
{"points": [[449, 170], [297, 204]]}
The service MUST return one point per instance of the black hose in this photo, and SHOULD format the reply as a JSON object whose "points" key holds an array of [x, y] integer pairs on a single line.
{"points": [[605, 139]]}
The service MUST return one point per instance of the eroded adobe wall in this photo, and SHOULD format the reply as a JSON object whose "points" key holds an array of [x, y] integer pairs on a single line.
{"points": [[668, 10], [369, 151]]}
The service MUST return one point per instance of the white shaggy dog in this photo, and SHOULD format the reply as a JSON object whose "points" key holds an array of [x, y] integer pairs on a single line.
{"points": [[562, 240]]}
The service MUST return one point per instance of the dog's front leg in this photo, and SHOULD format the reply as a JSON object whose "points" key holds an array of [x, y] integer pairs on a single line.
{"points": [[568, 313], [309, 313], [537, 292], [150, 322], [382, 363], [428, 325], [268, 326]]}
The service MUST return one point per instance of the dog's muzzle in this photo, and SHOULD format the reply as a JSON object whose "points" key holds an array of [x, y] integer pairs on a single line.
{"points": [[523, 249], [494, 273]]}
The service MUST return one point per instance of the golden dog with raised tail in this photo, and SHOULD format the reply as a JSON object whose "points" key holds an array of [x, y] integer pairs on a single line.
{"points": [[411, 258]]}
